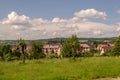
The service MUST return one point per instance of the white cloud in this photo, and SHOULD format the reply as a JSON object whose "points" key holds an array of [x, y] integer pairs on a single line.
{"points": [[15, 25], [56, 20], [97, 32], [44, 33], [15, 19], [39, 21], [54, 33], [118, 29], [90, 13]]}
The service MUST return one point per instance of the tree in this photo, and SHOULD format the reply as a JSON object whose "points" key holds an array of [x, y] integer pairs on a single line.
{"points": [[37, 52], [116, 49], [6, 50], [22, 47], [71, 47], [1, 53]]}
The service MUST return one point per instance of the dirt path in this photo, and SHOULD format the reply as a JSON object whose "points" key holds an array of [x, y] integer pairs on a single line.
{"points": [[108, 79]]}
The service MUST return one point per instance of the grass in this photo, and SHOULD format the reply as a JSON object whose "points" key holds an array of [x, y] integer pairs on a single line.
{"points": [[61, 69]]}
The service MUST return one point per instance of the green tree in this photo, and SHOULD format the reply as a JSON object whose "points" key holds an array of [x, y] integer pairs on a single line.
{"points": [[1, 52], [71, 47], [22, 47], [6, 50], [37, 51], [16, 52], [116, 49]]}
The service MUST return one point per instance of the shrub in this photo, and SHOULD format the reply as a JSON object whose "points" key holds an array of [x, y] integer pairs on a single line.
{"points": [[88, 54], [52, 55]]}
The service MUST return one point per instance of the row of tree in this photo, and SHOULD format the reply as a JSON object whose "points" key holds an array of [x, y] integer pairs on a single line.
{"points": [[70, 48], [20, 53]]}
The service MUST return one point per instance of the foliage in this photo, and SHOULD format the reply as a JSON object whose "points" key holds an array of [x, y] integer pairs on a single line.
{"points": [[5, 52], [107, 54], [88, 54], [52, 55], [71, 47], [1, 53], [116, 49], [36, 52], [22, 47]]}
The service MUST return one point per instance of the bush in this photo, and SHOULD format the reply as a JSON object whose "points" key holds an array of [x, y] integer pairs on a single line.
{"points": [[88, 54], [52, 55], [107, 54]]}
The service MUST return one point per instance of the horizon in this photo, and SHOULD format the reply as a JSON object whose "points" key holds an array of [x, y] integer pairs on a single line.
{"points": [[62, 38], [46, 19]]}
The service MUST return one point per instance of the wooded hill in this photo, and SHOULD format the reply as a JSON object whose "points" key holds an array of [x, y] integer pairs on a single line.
{"points": [[60, 40]]}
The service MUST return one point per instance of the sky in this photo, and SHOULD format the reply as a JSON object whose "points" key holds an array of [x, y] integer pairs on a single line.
{"points": [[42, 19]]}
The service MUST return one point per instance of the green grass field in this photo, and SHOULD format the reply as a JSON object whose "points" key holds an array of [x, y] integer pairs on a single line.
{"points": [[61, 69]]}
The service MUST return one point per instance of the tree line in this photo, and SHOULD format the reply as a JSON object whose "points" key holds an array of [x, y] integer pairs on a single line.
{"points": [[20, 53], [70, 48]]}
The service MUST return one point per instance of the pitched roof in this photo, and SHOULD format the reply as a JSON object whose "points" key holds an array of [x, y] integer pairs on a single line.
{"points": [[51, 46], [106, 46], [85, 45]]}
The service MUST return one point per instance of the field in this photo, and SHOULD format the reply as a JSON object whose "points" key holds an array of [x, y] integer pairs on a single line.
{"points": [[61, 69]]}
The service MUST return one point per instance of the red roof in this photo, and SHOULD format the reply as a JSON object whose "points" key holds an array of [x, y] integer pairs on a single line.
{"points": [[107, 47], [85, 45], [51, 46]]}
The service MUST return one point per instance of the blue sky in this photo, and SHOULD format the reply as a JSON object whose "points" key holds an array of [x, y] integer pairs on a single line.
{"points": [[48, 12], [57, 8]]}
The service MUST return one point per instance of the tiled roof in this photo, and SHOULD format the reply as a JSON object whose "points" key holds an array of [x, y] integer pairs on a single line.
{"points": [[106, 46], [51, 46], [85, 45]]}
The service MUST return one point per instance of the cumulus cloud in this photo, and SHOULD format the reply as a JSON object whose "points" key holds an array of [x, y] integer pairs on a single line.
{"points": [[56, 20], [97, 32], [15, 27], [90, 13], [15, 19], [118, 29], [20, 25]]}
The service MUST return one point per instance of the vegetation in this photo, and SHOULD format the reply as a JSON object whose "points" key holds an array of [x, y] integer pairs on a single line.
{"points": [[61, 69], [71, 47], [55, 68], [20, 52], [36, 51], [116, 49], [22, 48]]}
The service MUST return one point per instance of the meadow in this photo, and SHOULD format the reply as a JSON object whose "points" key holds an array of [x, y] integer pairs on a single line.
{"points": [[88, 68]]}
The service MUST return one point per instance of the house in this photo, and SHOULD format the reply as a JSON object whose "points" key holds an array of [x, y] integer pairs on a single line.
{"points": [[14, 48], [104, 48], [85, 47], [28, 48], [48, 49]]}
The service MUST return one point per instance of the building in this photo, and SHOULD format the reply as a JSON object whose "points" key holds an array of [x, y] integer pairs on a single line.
{"points": [[48, 49], [14, 48], [28, 48], [85, 47], [104, 48]]}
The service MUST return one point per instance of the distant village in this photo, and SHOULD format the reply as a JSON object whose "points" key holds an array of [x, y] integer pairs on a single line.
{"points": [[55, 45]]}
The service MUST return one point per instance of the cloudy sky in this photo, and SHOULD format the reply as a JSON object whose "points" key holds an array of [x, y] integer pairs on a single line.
{"points": [[43, 19]]}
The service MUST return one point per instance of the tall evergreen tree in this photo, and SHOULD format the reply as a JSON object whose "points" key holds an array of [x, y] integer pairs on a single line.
{"points": [[116, 49]]}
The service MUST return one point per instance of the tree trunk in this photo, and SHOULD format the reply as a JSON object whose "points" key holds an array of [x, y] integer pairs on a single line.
{"points": [[22, 55]]}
